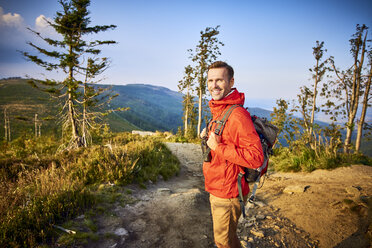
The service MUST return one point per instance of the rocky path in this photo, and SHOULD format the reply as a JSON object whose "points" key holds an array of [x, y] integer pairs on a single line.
{"points": [[173, 213], [176, 213]]}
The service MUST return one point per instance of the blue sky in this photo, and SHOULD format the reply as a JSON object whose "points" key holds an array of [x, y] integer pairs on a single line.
{"points": [[269, 43]]}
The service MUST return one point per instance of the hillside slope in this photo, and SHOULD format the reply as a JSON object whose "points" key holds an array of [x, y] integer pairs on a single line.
{"points": [[151, 108], [21, 102]]}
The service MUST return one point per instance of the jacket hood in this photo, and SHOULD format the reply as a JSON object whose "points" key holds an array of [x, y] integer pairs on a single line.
{"points": [[235, 97]]}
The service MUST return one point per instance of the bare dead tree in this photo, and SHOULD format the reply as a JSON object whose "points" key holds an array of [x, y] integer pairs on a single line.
{"points": [[7, 126]]}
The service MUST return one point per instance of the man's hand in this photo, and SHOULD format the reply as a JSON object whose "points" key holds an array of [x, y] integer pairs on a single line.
{"points": [[213, 141]]}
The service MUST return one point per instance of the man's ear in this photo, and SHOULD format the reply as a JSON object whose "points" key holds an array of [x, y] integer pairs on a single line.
{"points": [[232, 81]]}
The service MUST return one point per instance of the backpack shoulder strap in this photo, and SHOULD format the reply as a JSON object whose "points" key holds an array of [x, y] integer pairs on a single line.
{"points": [[220, 124]]}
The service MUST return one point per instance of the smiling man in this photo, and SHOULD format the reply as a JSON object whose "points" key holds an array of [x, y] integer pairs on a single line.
{"points": [[237, 146]]}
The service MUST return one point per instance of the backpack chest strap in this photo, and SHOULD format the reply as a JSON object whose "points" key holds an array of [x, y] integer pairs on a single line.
{"points": [[220, 124]]}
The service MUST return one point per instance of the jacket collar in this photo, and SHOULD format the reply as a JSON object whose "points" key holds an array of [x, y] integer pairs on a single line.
{"points": [[234, 97]]}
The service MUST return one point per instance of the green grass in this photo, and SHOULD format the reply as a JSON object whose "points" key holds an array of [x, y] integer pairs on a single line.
{"points": [[89, 223], [305, 159], [68, 240], [37, 191]]}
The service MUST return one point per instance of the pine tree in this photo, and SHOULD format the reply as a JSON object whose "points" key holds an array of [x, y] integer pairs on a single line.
{"points": [[71, 55]]}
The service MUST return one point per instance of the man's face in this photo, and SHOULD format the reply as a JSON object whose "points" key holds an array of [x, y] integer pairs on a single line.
{"points": [[218, 83]]}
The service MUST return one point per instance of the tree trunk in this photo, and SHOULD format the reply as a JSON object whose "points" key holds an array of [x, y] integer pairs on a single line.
{"points": [[364, 111], [348, 137], [200, 112], [187, 106], [350, 123], [84, 138], [6, 132], [351, 114], [186, 121], [84, 131], [6, 125], [71, 110], [354, 100], [9, 138], [314, 103], [35, 125]]}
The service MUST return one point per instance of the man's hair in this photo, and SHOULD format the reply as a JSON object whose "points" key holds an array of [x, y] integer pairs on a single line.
{"points": [[221, 64]]}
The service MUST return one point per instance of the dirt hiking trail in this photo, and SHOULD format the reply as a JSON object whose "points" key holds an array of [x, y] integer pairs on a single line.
{"points": [[323, 209]]}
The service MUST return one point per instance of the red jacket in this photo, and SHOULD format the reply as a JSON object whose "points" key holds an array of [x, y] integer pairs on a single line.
{"points": [[240, 146]]}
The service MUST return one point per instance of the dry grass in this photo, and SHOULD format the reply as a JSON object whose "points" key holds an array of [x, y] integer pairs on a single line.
{"points": [[37, 191]]}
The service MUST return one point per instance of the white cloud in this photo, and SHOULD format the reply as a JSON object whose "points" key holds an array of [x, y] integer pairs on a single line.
{"points": [[41, 22], [11, 20], [42, 26]]}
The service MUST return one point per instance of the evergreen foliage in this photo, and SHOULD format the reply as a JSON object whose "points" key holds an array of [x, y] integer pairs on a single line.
{"points": [[78, 59]]}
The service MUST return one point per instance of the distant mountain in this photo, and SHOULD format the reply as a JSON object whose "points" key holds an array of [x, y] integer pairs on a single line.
{"points": [[151, 107], [263, 113]]}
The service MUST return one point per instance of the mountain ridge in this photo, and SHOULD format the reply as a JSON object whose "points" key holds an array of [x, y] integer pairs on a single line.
{"points": [[152, 107]]}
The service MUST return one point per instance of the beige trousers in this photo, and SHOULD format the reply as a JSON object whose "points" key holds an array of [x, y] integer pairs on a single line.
{"points": [[225, 215]]}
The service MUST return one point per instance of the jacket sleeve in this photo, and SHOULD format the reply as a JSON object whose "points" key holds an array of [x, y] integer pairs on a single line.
{"points": [[241, 144]]}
